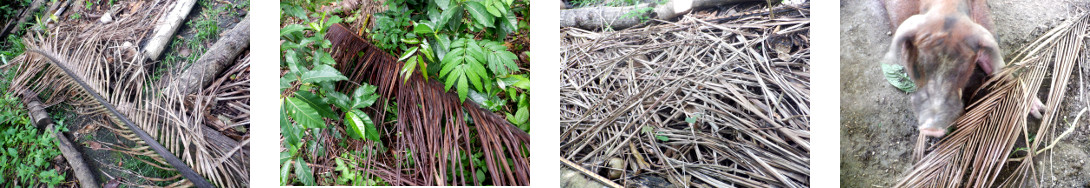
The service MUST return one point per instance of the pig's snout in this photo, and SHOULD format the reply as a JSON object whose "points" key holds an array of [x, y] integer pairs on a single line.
{"points": [[936, 111]]}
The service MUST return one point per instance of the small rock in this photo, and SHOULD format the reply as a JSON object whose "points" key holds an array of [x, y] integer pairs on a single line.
{"points": [[106, 19]]}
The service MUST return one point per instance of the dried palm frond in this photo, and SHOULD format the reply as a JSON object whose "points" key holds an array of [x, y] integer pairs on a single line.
{"points": [[116, 84], [696, 102], [975, 154], [431, 130]]}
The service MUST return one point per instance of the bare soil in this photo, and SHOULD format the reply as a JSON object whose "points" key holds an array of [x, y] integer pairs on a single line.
{"points": [[877, 127]]}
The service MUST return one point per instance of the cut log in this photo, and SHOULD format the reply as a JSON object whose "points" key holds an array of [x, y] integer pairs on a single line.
{"points": [[14, 28], [167, 25], [624, 17], [73, 156], [219, 57]]}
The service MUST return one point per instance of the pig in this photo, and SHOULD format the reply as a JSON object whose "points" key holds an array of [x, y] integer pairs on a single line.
{"points": [[943, 44]]}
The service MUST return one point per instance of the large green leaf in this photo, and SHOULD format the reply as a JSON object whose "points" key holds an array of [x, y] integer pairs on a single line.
{"points": [[461, 67], [480, 14], [364, 96], [443, 4], [322, 73], [409, 67], [500, 61], [355, 125], [494, 8], [285, 173], [365, 126], [291, 29], [897, 77], [408, 53], [451, 18], [303, 173], [315, 102], [285, 82], [304, 114]]}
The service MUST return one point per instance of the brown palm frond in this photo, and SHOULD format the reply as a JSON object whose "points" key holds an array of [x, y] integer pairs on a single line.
{"points": [[431, 129], [104, 57], [976, 153], [695, 103]]}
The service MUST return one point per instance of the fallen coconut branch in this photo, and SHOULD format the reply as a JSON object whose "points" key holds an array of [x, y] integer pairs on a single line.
{"points": [[167, 25], [599, 17], [220, 56], [182, 168], [73, 156]]}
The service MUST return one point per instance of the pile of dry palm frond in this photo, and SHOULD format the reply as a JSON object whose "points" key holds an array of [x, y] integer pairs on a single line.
{"points": [[978, 153], [692, 103], [105, 58]]}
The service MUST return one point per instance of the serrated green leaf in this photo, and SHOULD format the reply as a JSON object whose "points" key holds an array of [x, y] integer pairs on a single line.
{"points": [[285, 173], [371, 132], [443, 4], [480, 14], [522, 115], [283, 117], [285, 82], [291, 29], [410, 40], [423, 29], [463, 89], [408, 53], [323, 58], [355, 125], [364, 96], [408, 68], [451, 18], [292, 58], [491, 7], [662, 138], [303, 173], [304, 114], [338, 99], [315, 102], [898, 77], [284, 156], [322, 73], [474, 79]]}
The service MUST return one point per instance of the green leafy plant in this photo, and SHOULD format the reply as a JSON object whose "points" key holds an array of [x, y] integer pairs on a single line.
{"points": [[315, 102], [25, 152]]}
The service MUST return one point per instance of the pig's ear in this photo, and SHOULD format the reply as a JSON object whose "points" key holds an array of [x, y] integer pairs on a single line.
{"points": [[904, 34], [988, 56]]}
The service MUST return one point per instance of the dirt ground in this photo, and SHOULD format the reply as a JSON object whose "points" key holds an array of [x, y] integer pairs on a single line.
{"points": [[877, 127]]}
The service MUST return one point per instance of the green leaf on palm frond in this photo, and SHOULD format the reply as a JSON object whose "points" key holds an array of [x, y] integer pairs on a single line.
{"points": [[461, 65]]}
